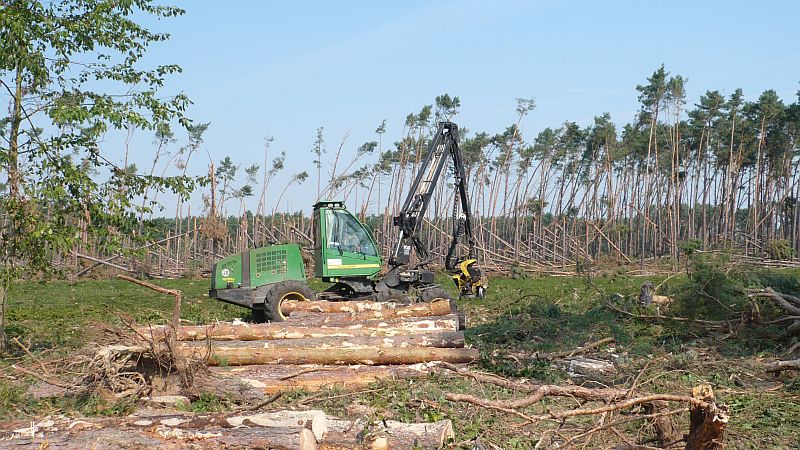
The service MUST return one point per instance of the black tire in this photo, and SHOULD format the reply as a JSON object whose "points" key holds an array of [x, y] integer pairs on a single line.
{"points": [[280, 292], [393, 297], [437, 293]]}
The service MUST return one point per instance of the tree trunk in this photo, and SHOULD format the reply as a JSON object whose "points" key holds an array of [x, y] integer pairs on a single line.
{"points": [[239, 356], [279, 430], [366, 310], [450, 339], [3, 299], [255, 332], [252, 384]]}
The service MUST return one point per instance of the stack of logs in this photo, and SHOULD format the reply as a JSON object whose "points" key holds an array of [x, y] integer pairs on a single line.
{"points": [[335, 344], [305, 430]]}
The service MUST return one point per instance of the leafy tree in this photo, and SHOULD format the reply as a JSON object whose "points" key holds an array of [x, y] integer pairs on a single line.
{"points": [[226, 174], [446, 107], [70, 71]]}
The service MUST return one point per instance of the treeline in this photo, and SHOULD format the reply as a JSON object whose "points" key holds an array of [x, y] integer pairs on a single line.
{"points": [[720, 174]]}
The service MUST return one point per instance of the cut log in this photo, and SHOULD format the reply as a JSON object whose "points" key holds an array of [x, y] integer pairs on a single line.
{"points": [[238, 356], [387, 434], [357, 311], [324, 306], [449, 339], [168, 439], [779, 366], [252, 384], [226, 331], [204, 431], [283, 429], [706, 425]]}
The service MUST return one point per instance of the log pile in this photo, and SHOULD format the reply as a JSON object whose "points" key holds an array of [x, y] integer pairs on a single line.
{"points": [[345, 344], [306, 430]]}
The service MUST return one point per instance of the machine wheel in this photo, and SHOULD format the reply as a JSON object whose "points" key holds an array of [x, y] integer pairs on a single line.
{"points": [[393, 297], [280, 292], [437, 294]]}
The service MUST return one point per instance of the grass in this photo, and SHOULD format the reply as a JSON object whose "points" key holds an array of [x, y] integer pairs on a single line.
{"points": [[519, 317]]}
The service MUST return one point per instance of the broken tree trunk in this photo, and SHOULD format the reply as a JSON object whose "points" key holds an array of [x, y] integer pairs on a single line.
{"points": [[450, 339], [238, 356], [706, 424], [226, 331]]}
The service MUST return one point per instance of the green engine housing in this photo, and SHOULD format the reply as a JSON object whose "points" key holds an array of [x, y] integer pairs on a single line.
{"points": [[241, 278]]}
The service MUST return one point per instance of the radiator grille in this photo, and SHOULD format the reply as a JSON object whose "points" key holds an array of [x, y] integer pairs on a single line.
{"points": [[271, 262]]}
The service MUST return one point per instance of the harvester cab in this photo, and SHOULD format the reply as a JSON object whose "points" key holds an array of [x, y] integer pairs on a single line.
{"points": [[343, 246]]}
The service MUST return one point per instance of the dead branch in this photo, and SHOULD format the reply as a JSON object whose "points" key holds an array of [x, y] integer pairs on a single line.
{"points": [[490, 378], [580, 350], [788, 303], [707, 323], [651, 416], [597, 395], [30, 355], [176, 310], [41, 377], [305, 371]]}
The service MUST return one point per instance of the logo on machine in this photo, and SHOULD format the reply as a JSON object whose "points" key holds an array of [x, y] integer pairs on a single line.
{"points": [[226, 272]]}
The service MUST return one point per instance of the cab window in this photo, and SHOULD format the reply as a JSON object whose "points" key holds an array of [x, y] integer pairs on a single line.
{"points": [[345, 233]]}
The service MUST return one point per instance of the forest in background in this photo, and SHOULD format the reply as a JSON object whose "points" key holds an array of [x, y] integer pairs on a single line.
{"points": [[717, 175]]}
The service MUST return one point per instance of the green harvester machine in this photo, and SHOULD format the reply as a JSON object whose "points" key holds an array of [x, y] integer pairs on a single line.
{"points": [[346, 253]]}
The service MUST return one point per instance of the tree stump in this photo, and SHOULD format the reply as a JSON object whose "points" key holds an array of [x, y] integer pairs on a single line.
{"points": [[706, 424]]}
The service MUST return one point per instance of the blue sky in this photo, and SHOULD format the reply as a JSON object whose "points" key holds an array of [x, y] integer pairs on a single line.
{"points": [[283, 69]]}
